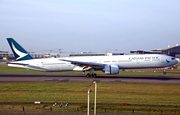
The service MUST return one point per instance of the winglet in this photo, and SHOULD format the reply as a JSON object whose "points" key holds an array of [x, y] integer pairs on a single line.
{"points": [[19, 52]]}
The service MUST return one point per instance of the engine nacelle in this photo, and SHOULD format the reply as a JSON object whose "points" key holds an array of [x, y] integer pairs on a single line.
{"points": [[111, 69]]}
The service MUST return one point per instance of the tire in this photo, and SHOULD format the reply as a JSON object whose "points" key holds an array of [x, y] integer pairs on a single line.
{"points": [[88, 75], [95, 75], [164, 73]]}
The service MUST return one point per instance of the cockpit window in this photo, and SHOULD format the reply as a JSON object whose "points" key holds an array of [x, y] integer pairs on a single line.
{"points": [[173, 58]]}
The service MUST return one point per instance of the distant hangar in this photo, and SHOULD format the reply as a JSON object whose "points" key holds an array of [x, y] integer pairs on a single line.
{"points": [[171, 51]]}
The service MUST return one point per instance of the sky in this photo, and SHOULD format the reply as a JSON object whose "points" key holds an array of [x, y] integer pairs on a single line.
{"points": [[90, 25]]}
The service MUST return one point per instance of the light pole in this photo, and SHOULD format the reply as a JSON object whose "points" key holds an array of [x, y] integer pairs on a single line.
{"points": [[88, 101], [95, 97]]}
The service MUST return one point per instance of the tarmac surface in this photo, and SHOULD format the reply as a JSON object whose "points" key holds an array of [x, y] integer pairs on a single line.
{"points": [[7, 78]]}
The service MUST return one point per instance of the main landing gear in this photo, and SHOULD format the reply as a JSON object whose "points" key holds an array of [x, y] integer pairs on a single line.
{"points": [[91, 73]]}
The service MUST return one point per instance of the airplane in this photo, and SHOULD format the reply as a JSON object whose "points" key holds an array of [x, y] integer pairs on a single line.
{"points": [[107, 64]]}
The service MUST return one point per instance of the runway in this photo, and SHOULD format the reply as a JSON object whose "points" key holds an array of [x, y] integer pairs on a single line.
{"points": [[7, 78]]}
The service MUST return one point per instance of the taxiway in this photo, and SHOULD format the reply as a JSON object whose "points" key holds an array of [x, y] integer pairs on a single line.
{"points": [[4, 78]]}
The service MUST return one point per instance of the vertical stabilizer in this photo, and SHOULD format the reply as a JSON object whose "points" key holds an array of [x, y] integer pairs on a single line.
{"points": [[19, 52]]}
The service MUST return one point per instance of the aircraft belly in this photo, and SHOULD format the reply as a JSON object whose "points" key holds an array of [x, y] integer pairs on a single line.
{"points": [[66, 67], [51, 68]]}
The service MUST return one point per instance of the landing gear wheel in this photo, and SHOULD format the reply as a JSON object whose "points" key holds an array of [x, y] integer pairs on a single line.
{"points": [[95, 75], [88, 75], [164, 73], [92, 75]]}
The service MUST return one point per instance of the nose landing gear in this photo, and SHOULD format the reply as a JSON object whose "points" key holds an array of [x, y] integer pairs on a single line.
{"points": [[164, 72]]}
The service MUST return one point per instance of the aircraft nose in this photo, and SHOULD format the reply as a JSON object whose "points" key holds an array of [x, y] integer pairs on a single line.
{"points": [[176, 61]]}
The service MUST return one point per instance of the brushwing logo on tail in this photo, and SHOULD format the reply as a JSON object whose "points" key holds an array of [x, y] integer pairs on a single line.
{"points": [[19, 53]]}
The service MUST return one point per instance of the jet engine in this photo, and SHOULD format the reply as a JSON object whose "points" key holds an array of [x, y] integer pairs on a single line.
{"points": [[111, 69]]}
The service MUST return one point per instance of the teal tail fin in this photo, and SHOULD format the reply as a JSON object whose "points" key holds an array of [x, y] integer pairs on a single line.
{"points": [[19, 52]]}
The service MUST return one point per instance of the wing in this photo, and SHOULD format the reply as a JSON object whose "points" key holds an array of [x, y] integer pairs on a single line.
{"points": [[86, 64]]}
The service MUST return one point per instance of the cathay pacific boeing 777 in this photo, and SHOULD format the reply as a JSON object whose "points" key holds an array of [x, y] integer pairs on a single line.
{"points": [[107, 64]]}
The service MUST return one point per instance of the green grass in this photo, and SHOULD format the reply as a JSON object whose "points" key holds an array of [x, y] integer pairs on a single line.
{"points": [[5, 69], [108, 93]]}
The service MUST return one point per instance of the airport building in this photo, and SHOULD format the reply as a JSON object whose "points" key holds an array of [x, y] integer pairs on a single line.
{"points": [[10, 55], [6, 54], [171, 51]]}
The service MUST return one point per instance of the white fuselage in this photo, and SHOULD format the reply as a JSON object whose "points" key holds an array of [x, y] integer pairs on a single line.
{"points": [[123, 61]]}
